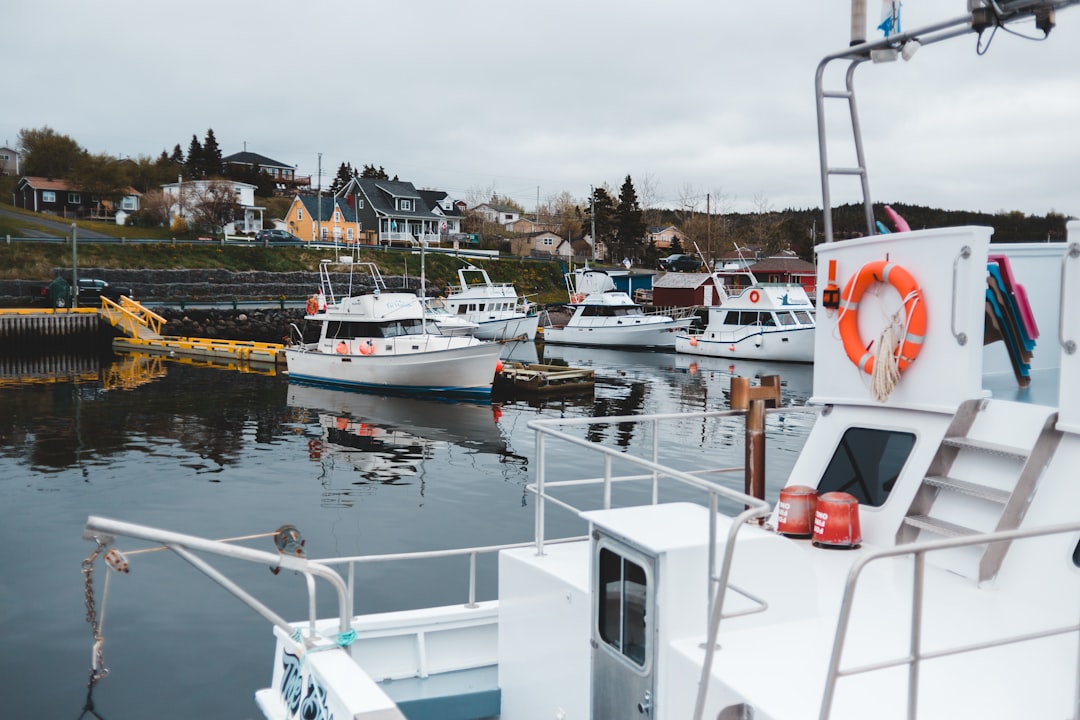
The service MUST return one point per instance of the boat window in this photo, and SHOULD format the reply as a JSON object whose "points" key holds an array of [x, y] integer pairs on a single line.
{"points": [[1076, 555], [732, 318], [867, 463], [621, 614], [786, 318], [462, 310], [348, 330], [804, 317]]}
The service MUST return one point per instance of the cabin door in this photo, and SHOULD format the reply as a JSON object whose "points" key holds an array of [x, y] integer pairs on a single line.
{"points": [[623, 631]]}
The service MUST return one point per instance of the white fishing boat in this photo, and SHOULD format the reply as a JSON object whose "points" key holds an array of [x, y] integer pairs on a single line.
{"points": [[601, 315], [496, 308], [765, 321], [444, 322], [922, 560], [381, 340]]}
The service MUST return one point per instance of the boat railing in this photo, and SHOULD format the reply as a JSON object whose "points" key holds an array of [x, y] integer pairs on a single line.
{"points": [[915, 654]]}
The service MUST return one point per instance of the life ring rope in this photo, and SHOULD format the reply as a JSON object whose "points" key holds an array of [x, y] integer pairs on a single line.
{"points": [[902, 337]]}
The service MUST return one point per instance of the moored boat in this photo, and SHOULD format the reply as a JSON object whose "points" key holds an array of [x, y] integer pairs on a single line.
{"points": [[496, 308], [765, 321], [601, 315], [380, 340]]}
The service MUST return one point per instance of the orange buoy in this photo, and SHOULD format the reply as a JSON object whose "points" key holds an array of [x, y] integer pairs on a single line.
{"points": [[367, 347], [498, 366], [795, 511], [914, 311], [836, 521], [342, 348], [693, 341]]}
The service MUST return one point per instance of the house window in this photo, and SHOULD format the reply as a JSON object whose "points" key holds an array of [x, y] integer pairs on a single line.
{"points": [[48, 196], [128, 203], [547, 241], [300, 214], [508, 217], [337, 216], [349, 234], [404, 204], [359, 203], [74, 199], [324, 232]]}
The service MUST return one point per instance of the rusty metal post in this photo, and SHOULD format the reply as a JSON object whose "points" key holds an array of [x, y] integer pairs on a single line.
{"points": [[755, 400]]}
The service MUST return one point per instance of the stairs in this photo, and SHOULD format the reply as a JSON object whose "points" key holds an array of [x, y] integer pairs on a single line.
{"points": [[981, 480]]}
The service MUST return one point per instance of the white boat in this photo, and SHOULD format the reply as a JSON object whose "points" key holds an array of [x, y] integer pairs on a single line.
{"points": [[765, 321], [494, 307], [445, 323], [922, 560], [601, 315], [381, 341]]}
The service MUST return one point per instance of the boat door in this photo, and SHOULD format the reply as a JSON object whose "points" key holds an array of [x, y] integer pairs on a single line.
{"points": [[623, 631]]}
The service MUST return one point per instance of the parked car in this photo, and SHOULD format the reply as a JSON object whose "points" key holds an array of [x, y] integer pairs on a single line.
{"points": [[58, 292], [680, 263], [276, 236]]}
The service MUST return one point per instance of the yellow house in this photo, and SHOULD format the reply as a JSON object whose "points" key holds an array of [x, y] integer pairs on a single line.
{"points": [[326, 219]]}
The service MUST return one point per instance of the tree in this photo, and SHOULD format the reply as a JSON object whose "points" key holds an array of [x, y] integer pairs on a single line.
{"points": [[47, 153], [630, 226], [211, 156], [600, 217], [369, 171], [212, 205], [155, 209], [345, 174], [194, 163], [101, 176], [177, 156]]}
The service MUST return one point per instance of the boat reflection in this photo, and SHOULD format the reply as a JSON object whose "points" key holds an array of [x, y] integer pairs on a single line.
{"points": [[796, 379], [386, 440]]}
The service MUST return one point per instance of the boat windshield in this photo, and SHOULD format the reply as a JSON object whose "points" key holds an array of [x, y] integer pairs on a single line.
{"points": [[610, 310], [339, 330]]}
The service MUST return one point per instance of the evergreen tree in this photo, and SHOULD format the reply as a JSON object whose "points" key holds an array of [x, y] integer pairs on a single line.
{"points": [[600, 216], [211, 156], [177, 155], [194, 164], [629, 225], [345, 173], [371, 172]]}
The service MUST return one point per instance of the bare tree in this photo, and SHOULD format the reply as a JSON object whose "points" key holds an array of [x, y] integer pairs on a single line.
{"points": [[155, 207], [212, 205]]}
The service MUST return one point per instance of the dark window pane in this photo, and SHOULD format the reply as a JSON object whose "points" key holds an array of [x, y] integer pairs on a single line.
{"points": [[867, 463]]}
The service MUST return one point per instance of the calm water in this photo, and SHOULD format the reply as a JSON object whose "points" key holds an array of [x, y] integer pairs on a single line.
{"points": [[218, 453]]}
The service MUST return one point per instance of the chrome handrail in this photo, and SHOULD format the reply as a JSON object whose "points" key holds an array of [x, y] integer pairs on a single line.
{"points": [[1069, 346]]}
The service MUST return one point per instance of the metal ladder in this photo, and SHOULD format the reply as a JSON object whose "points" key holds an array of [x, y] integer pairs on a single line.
{"points": [[975, 485]]}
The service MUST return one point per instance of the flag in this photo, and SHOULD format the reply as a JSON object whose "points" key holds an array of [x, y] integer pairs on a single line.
{"points": [[890, 17]]}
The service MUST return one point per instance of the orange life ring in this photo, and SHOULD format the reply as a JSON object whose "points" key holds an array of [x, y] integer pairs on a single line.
{"points": [[914, 310], [754, 296], [312, 305]]}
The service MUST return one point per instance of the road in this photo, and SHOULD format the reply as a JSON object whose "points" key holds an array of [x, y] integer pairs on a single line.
{"points": [[63, 229]]}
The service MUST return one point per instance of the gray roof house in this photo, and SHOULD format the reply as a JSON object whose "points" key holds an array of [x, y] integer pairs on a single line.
{"points": [[395, 210]]}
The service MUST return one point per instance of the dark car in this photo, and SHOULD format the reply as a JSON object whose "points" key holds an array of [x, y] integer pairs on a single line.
{"points": [[58, 293], [276, 236], [680, 263]]}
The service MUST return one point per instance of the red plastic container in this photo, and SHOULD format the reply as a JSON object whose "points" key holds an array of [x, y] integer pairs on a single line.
{"points": [[836, 521], [795, 511]]}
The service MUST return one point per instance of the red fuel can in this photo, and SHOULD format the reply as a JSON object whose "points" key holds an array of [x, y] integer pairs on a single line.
{"points": [[795, 511], [836, 521]]}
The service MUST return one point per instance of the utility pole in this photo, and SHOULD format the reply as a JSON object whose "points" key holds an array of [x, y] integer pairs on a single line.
{"points": [[318, 215], [708, 226], [74, 265], [592, 219]]}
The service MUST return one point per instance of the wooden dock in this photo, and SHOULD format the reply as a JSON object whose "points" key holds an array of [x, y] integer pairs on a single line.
{"points": [[534, 378]]}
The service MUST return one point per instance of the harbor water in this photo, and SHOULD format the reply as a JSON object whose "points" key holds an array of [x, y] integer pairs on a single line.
{"points": [[219, 453]]}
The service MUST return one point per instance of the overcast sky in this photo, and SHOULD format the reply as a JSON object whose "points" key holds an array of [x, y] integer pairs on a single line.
{"points": [[536, 98]]}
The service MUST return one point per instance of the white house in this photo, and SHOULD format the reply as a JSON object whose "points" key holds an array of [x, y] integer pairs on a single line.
{"points": [[501, 214], [188, 192]]}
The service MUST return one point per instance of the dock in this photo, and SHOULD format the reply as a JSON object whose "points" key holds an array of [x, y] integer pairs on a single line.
{"points": [[534, 378]]}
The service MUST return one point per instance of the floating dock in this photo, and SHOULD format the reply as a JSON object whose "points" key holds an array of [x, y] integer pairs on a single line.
{"points": [[534, 378]]}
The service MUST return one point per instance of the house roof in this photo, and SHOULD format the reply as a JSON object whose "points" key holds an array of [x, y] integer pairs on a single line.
{"points": [[676, 280], [250, 158], [324, 211], [41, 183], [433, 198], [661, 228], [783, 265], [381, 194], [498, 208]]}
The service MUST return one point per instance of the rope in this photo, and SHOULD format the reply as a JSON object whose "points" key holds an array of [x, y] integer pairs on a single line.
{"points": [[97, 669], [890, 344]]}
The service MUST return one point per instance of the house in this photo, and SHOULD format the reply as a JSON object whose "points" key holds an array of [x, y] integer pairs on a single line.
{"points": [[59, 197], [675, 289], [392, 212], [501, 214], [328, 218], [663, 238], [526, 225], [786, 269], [541, 244], [183, 195], [284, 176], [452, 211], [9, 161]]}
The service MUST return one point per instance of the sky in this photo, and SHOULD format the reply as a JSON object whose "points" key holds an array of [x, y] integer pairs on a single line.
{"points": [[698, 101]]}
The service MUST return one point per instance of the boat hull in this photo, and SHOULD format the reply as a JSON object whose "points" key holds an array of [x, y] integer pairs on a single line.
{"points": [[784, 345], [639, 335], [508, 328], [429, 364]]}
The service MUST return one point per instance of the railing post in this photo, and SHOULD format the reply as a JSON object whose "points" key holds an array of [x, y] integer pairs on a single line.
{"points": [[539, 529]]}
